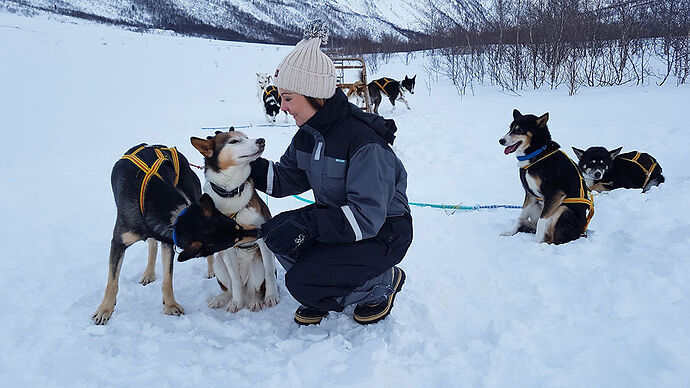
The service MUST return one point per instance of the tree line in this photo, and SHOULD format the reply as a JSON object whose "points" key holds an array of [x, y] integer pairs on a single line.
{"points": [[522, 44]]}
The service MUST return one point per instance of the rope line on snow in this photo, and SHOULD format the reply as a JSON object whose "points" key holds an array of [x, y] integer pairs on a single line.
{"points": [[250, 126]]}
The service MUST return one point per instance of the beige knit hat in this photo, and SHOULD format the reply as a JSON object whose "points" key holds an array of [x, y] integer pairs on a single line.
{"points": [[306, 69]]}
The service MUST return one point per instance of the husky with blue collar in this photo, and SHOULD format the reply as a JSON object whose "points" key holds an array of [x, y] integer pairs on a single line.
{"points": [[558, 204]]}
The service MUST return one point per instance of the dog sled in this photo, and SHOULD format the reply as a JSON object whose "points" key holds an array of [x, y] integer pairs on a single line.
{"points": [[353, 84]]}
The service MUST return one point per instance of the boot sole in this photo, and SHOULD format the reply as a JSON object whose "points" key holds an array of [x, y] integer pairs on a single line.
{"points": [[383, 314], [300, 320]]}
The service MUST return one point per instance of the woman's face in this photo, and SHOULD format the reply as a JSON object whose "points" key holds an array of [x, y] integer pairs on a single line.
{"points": [[296, 105]]}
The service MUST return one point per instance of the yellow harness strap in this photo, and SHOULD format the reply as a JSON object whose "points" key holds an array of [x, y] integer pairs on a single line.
{"points": [[386, 81], [647, 172], [270, 89], [585, 197], [153, 170]]}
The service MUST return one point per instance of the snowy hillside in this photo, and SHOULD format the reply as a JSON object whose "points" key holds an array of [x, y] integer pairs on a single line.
{"points": [[262, 21], [478, 309]]}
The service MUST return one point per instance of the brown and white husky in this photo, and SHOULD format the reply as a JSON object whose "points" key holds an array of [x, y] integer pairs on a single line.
{"points": [[247, 275]]}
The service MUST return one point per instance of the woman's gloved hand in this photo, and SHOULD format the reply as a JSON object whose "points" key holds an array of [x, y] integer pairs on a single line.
{"points": [[290, 233]]}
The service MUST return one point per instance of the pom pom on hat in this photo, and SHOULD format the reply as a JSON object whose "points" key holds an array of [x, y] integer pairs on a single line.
{"points": [[317, 29]]}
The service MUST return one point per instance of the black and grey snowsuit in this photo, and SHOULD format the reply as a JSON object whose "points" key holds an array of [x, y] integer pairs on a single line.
{"points": [[361, 215]]}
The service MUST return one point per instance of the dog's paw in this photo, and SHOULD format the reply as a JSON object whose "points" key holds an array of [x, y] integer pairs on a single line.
{"points": [[508, 233], [235, 306], [255, 305], [102, 315], [219, 300], [147, 279], [271, 300], [173, 309]]}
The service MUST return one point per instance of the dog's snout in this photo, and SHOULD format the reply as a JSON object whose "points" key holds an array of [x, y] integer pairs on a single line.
{"points": [[260, 141], [502, 141]]}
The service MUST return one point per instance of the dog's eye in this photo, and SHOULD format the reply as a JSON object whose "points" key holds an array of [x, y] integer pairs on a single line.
{"points": [[233, 141]]}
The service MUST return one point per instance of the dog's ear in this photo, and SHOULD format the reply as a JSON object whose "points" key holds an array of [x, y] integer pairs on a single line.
{"points": [[231, 129], [516, 114], [204, 146], [219, 132], [541, 120], [578, 152], [191, 252], [207, 205], [615, 152]]}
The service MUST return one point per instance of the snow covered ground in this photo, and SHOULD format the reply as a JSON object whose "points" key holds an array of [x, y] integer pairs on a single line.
{"points": [[478, 309]]}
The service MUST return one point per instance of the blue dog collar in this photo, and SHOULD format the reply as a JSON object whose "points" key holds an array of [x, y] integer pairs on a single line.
{"points": [[530, 156], [175, 225]]}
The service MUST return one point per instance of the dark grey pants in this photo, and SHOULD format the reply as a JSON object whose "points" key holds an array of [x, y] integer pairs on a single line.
{"points": [[328, 277]]}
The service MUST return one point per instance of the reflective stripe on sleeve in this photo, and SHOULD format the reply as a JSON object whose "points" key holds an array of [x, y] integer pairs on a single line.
{"points": [[353, 222], [269, 179]]}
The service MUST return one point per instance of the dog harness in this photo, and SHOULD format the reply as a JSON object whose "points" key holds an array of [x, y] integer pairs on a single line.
{"points": [[270, 89], [585, 197], [152, 170], [648, 172], [386, 81]]}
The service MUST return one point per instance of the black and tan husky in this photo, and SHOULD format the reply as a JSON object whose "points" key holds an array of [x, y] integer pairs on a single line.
{"points": [[606, 170], [557, 205], [392, 89], [152, 186]]}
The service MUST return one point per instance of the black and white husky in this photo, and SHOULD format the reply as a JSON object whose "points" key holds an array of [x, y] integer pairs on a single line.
{"points": [[392, 89], [271, 100], [606, 170]]}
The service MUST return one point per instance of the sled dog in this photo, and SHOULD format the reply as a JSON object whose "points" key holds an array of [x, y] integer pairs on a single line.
{"points": [[606, 170], [246, 275], [392, 89], [557, 205]]}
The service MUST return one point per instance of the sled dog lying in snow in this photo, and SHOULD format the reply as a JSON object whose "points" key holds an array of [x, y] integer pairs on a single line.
{"points": [[246, 275], [557, 205], [392, 89], [152, 186], [606, 170]]}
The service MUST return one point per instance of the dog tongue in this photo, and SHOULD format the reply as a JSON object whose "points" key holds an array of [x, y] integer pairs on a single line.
{"points": [[512, 148]]}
